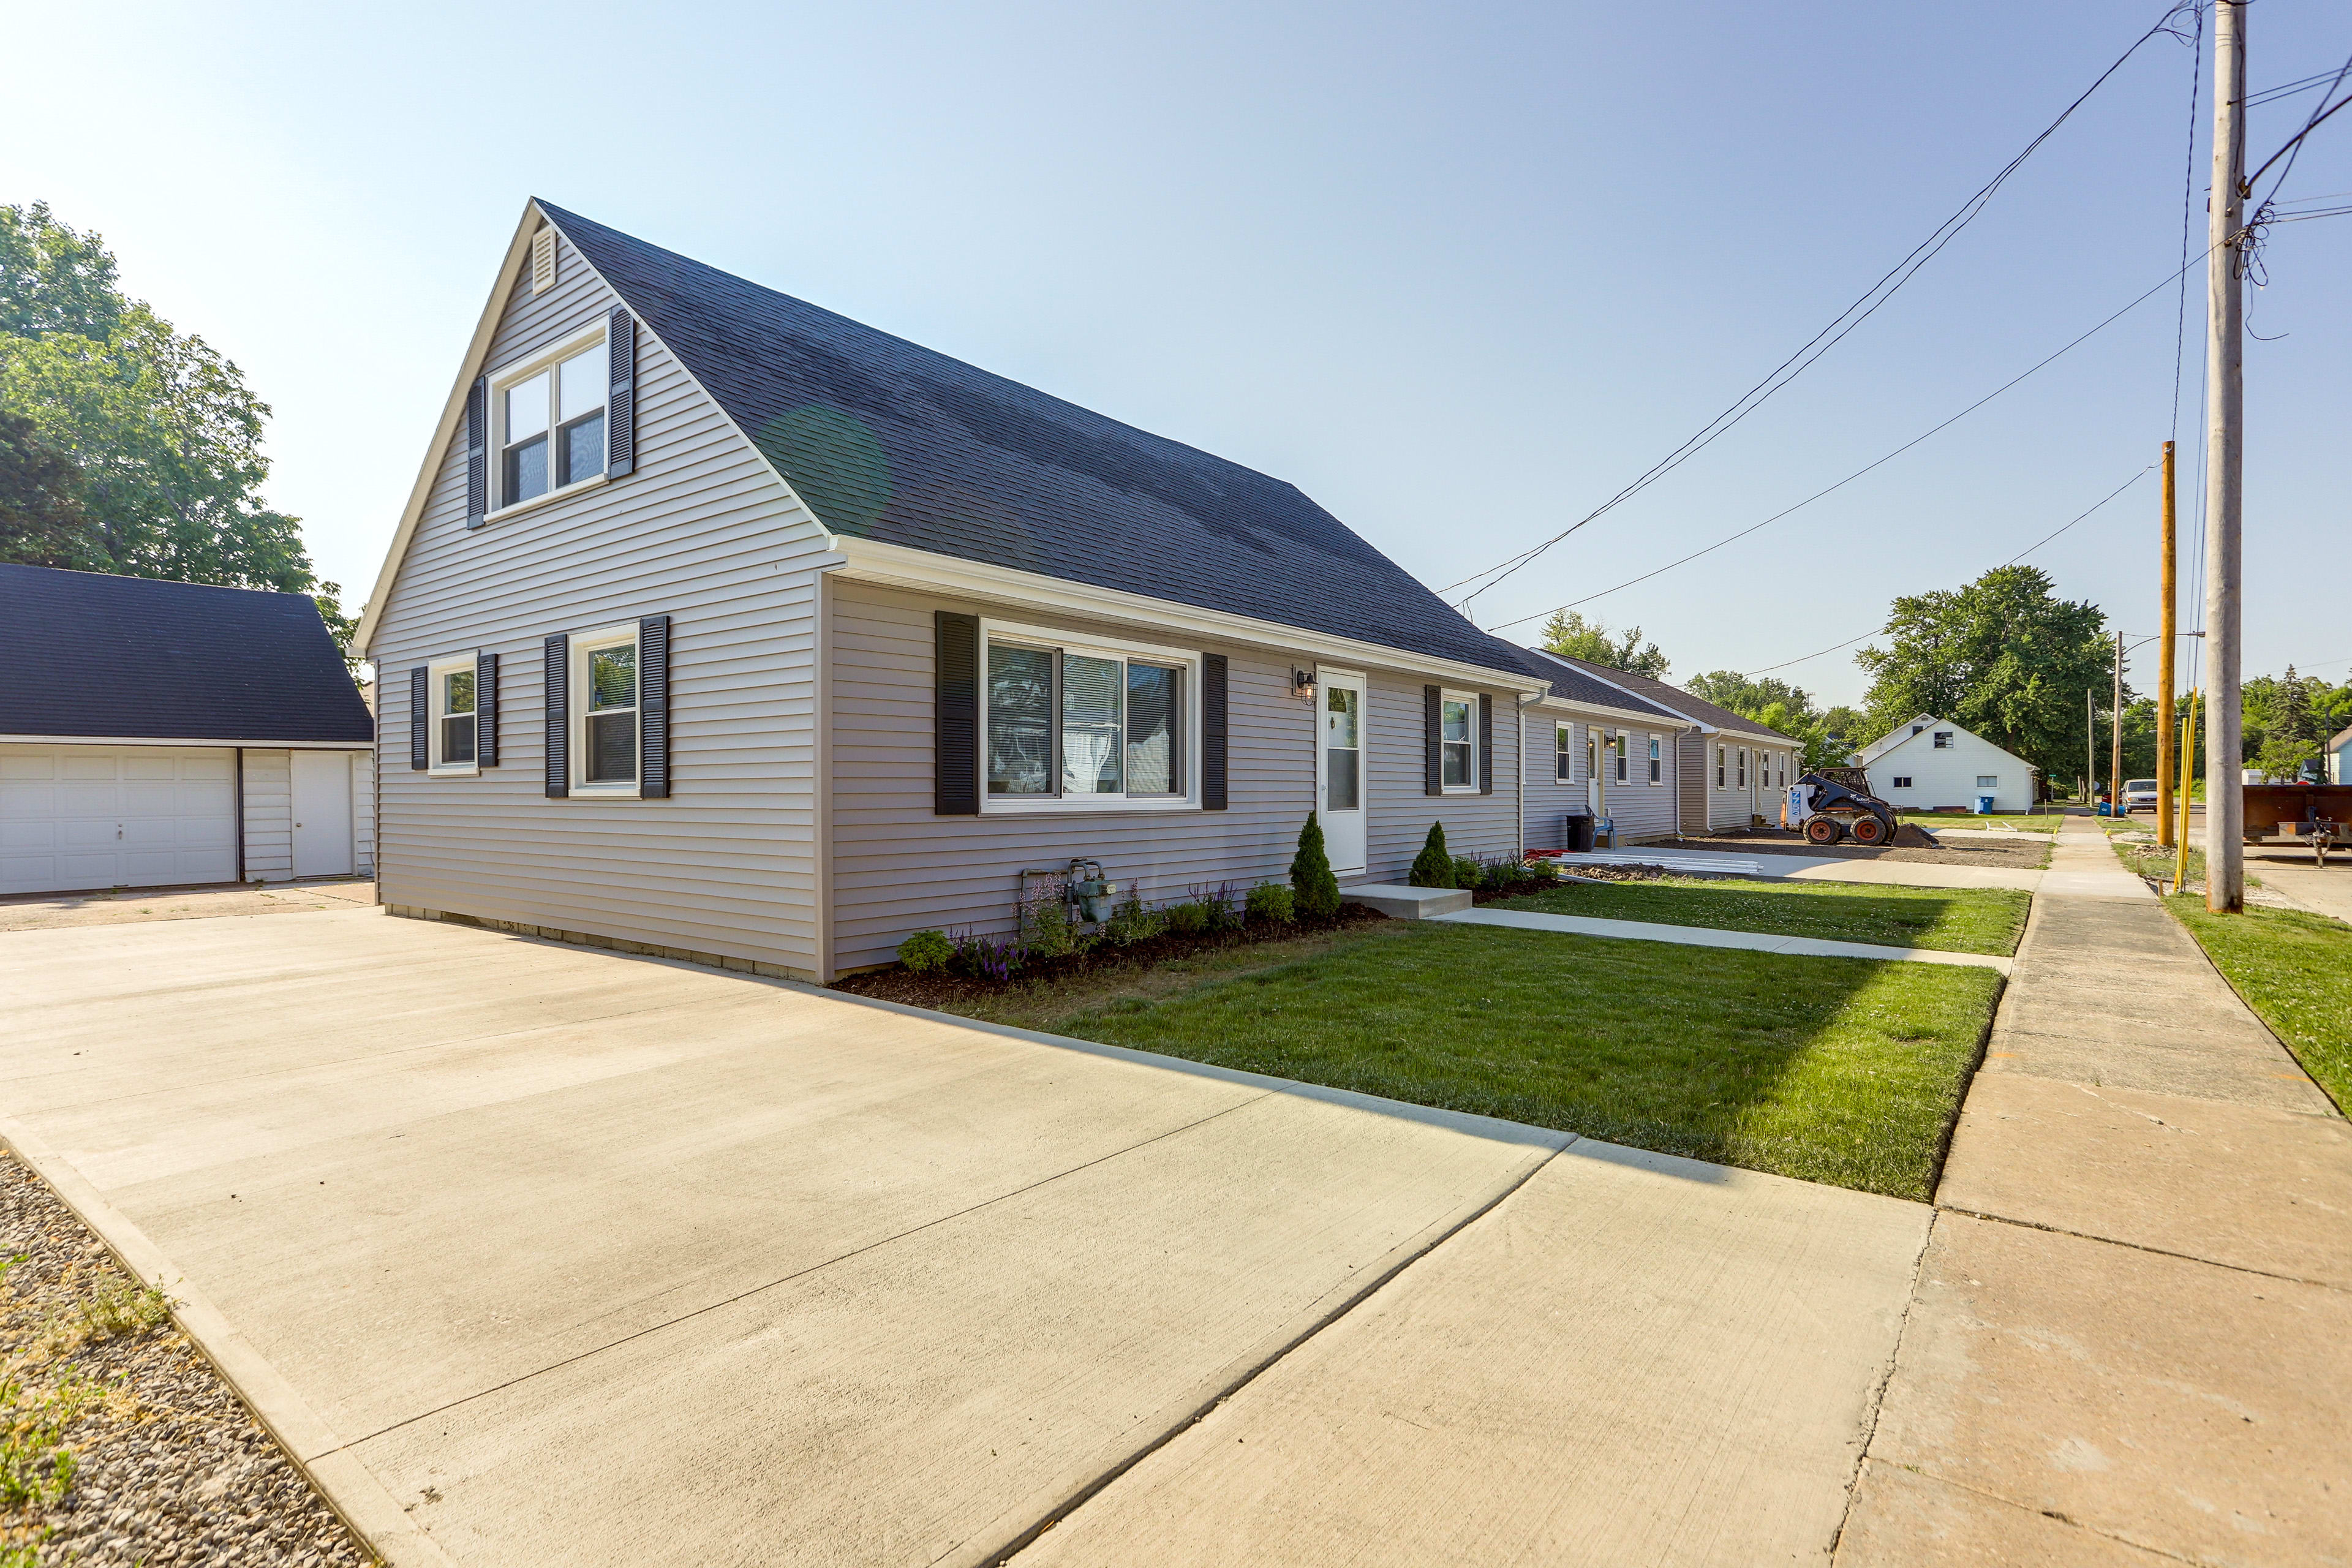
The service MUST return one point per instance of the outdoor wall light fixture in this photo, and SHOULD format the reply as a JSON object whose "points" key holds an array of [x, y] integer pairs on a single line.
{"points": [[1302, 684]]}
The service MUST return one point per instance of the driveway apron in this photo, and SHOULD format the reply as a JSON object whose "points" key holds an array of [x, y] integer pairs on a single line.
{"points": [[598, 1260]]}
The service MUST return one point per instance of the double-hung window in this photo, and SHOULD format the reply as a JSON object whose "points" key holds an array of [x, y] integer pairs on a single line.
{"points": [[1563, 754], [1718, 767], [549, 421], [452, 716], [1070, 723], [1617, 750], [1457, 740], [1657, 762], [606, 740]]}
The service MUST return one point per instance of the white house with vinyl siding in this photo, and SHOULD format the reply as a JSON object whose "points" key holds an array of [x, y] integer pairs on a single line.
{"points": [[1935, 764], [721, 626], [1598, 751]]}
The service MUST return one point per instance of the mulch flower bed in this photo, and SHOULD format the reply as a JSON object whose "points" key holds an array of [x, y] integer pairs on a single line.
{"points": [[120, 1445], [937, 990]]}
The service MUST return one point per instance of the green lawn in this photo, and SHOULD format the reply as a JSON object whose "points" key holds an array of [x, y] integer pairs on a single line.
{"points": [[1949, 919], [1829, 1069], [2295, 970]]}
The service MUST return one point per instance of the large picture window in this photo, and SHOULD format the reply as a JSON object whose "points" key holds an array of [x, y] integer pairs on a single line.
{"points": [[551, 424], [1075, 725]]}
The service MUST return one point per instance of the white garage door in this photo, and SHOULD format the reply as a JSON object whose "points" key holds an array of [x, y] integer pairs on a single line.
{"points": [[115, 817]]}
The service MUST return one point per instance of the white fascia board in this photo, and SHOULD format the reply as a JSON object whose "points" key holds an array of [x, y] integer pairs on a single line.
{"points": [[896, 565], [477, 352], [1639, 697], [264, 744], [1554, 705]]}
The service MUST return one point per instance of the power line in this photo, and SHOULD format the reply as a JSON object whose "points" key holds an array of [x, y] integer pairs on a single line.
{"points": [[1846, 321], [2189, 214], [1858, 473], [2011, 561]]}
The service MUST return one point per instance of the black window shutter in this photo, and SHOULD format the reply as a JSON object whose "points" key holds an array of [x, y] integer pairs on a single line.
{"points": [[1485, 744], [556, 684], [955, 768], [621, 406], [420, 699], [1212, 732], [652, 707], [486, 709], [478, 452], [1434, 754]]}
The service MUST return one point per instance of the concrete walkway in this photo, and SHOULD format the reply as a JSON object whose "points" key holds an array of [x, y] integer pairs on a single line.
{"points": [[539, 1254], [1835, 869], [2132, 1337], [1708, 936]]}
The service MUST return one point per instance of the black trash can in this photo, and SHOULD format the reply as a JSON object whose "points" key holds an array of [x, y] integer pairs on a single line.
{"points": [[1580, 832]]}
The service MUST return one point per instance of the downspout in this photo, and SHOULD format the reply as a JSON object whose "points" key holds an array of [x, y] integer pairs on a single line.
{"points": [[240, 815]]}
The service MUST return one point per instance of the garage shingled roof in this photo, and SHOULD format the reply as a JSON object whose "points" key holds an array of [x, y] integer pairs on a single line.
{"points": [[143, 658], [889, 441]]}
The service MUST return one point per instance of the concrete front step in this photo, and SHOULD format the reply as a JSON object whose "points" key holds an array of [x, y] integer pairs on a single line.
{"points": [[1400, 903]]}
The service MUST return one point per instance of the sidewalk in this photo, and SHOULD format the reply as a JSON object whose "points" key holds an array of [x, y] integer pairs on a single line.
{"points": [[1709, 936], [1824, 869], [2131, 1339]]}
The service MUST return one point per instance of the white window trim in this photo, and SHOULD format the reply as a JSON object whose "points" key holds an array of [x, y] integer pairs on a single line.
{"points": [[433, 715], [624, 634], [1655, 760], [1563, 752], [1188, 740], [1616, 748], [523, 370], [1471, 698]]}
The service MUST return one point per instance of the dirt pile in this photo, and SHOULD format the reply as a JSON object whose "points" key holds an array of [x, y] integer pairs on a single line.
{"points": [[1911, 835]]}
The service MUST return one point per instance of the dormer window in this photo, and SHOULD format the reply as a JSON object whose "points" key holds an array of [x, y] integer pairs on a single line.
{"points": [[549, 417]]}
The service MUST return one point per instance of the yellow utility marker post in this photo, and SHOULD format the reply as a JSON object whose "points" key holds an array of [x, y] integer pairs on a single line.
{"points": [[2188, 767]]}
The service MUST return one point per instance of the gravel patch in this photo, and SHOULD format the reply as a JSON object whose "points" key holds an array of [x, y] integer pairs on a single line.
{"points": [[122, 1445]]}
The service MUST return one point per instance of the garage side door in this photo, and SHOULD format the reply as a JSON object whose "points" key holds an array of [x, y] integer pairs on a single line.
{"points": [[76, 818]]}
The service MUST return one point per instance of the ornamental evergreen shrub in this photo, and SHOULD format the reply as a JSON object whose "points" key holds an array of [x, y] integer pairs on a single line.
{"points": [[925, 951], [1434, 867], [1189, 918], [1315, 891], [1273, 902]]}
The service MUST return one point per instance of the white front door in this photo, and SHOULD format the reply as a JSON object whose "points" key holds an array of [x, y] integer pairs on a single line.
{"points": [[322, 814], [75, 818], [1339, 782], [1592, 793]]}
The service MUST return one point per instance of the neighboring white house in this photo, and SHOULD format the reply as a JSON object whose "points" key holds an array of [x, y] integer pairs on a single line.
{"points": [[2339, 756], [1931, 763]]}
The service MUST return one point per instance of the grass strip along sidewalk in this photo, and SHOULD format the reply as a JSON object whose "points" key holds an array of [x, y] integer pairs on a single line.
{"points": [[1829, 1069], [2295, 970], [1945, 918]]}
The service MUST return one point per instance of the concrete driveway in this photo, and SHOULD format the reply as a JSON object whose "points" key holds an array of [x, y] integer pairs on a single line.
{"points": [[542, 1254]]}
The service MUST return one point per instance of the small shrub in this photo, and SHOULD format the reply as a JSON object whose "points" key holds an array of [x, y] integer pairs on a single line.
{"points": [[1273, 902], [1223, 910], [1130, 922], [1540, 870], [1046, 931], [1469, 871], [1315, 890], [1434, 867], [925, 951], [987, 958], [1187, 918]]}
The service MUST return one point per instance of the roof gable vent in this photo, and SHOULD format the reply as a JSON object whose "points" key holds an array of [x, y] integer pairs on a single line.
{"points": [[543, 261]]}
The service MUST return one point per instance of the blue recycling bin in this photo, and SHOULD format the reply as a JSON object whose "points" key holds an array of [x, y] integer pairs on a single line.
{"points": [[1984, 806]]}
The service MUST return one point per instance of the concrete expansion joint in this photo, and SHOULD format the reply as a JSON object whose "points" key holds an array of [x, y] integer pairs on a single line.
{"points": [[2136, 1247], [1881, 1380]]}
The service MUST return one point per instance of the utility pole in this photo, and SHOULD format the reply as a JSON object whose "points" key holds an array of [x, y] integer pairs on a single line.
{"points": [[2116, 722], [2225, 855], [2170, 573]]}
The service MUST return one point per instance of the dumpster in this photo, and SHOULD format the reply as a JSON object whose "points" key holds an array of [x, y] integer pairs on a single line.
{"points": [[1984, 806]]}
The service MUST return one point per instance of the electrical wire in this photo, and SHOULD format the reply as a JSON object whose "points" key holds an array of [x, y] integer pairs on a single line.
{"points": [[1858, 473], [1846, 321], [2188, 216]]}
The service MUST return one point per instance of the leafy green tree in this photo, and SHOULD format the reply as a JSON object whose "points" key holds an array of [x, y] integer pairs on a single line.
{"points": [[1434, 867], [2002, 655], [1749, 697], [42, 519], [161, 430], [1315, 891], [1568, 632], [54, 279]]}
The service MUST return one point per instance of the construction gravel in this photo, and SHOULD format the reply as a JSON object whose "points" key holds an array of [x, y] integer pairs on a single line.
{"points": [[169, 1466]]}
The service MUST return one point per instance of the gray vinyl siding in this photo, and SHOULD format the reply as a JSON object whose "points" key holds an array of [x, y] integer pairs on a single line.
{"points": [[701, 532], [1697, 752], [1639, 808], [1732, 803], [897, 868], [1550, 800]]}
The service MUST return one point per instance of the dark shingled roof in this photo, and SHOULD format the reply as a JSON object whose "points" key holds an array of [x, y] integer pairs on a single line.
{"points": [[90, 654], [1574, 682], [1660, 695], [890, 441]]}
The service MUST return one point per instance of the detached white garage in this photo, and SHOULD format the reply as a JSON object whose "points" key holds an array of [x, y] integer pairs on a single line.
{"points": [[175, 734]]}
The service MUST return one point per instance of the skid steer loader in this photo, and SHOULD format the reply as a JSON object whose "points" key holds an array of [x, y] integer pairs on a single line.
{"points": [[1838, 804]]}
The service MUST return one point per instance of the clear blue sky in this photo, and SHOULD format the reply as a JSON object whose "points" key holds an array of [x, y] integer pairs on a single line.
{"points": [[1457, 272]]}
